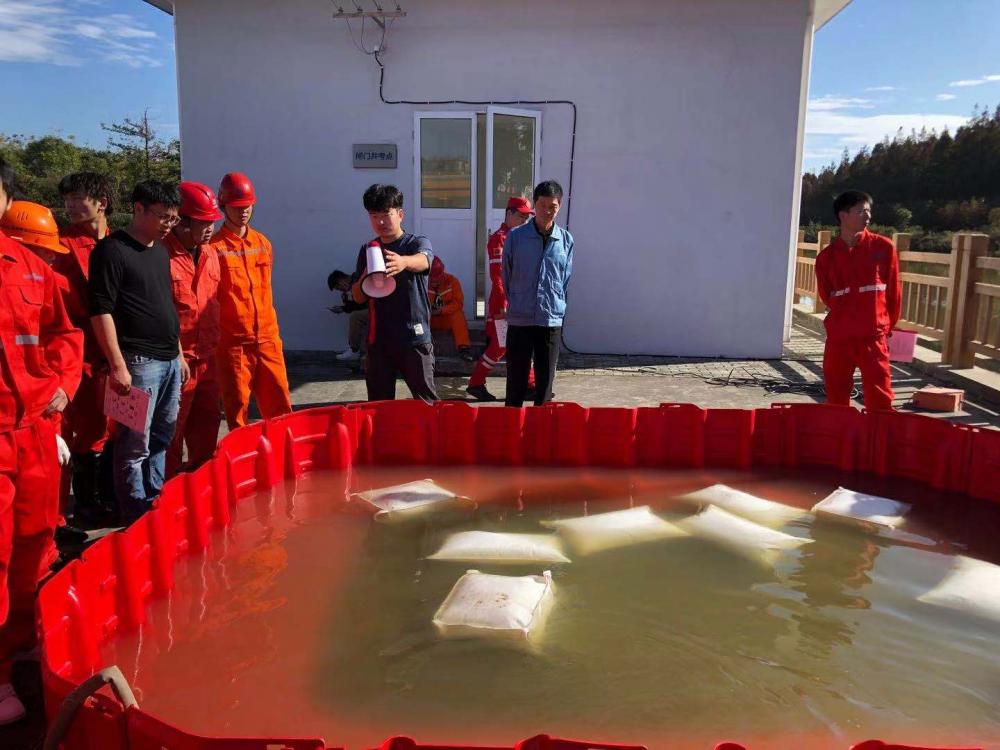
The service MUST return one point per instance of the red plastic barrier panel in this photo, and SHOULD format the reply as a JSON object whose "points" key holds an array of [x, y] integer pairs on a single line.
{"points": [[146, 732], [536, 438], [650, 437], [728, 435], [684, 435], [538, 742], [770, 431], [498, 436], [824, 435], [982, 467], [611, 435], [915, 447], [402, 432], [879, 745], [64, 630], [456, 431], [569, 434]]}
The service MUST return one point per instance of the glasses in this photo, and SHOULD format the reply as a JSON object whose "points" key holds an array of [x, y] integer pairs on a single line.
{"points": [[168, 220]]}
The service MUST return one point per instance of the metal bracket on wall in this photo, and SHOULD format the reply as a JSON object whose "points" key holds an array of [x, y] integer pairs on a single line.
{"points": [[378, 15]]}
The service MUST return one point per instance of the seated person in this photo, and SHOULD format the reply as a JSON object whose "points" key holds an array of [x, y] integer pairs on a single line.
{"points": [[357, 325], [445, 295]]}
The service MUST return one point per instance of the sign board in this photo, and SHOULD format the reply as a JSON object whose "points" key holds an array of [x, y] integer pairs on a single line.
{"points": [[130, 410], [374, 155]]}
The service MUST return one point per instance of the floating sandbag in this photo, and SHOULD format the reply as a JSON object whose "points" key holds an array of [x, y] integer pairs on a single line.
{"points": [[619, 528], [494, 547], [482, 605], [847, 505], [747, 506], [739, 535], [971, 586], [411, 499]]}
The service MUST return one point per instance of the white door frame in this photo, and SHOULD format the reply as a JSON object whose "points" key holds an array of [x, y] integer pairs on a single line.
{"points": [[495, 216]]}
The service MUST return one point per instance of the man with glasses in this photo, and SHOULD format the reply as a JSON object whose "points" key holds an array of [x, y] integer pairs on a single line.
{"points": [[399, 331], [136, 324]]}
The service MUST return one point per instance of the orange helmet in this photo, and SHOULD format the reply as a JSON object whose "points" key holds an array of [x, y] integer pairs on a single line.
{"points": [[32, 224], [236, 190]]}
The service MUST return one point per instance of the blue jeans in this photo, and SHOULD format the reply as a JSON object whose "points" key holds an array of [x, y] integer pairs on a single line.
{"points": [[140, 457]]}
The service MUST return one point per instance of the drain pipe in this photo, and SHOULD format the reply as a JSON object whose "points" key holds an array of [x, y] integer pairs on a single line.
{"points": [[67, 711]]}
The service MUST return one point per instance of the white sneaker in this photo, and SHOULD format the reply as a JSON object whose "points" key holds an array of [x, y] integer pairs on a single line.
{"points": [[11, 708], [348, 356]]}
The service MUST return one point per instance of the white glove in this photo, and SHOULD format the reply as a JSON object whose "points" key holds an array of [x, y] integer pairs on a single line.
{"points": [[62, 450]]}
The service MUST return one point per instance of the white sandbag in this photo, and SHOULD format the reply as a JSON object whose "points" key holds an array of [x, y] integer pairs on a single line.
{"points": [[971, 586], [857, 507], [411, 499], [498, 548], [747, 506], [482, 605], [619, 528], [745, 538]]}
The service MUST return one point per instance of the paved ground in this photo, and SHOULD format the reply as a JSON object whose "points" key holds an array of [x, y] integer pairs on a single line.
{"points": [[592, 380]]}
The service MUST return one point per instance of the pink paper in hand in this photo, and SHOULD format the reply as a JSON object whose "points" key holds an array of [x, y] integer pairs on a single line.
{"points": [[902, 345], [130, 410]]}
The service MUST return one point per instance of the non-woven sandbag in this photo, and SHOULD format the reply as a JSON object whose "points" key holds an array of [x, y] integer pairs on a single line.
{"points": [[745, 505], [483, 605], [743, 537], [501, 548], [857, 507], [970, 585], [619, 528], [412, 499]]}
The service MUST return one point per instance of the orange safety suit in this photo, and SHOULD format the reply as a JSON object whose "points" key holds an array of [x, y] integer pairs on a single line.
{"points": [[85, 428], [496, 308], [862, 291], [195, 289], [445, 296], [41, 351]]}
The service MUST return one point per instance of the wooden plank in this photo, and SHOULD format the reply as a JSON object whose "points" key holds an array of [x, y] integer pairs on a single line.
{"points": [[943, 259], [919, 278], [926, 331], [993, 352], [988, 264], [987, 290]]}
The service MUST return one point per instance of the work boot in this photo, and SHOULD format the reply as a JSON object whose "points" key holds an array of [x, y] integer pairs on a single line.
{"points": [[11, 708], [480, 393], [348, 355], [465, 353], [68, 534]]}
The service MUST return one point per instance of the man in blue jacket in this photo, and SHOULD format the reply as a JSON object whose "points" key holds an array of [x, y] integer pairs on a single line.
{"points": [[537, 262]]}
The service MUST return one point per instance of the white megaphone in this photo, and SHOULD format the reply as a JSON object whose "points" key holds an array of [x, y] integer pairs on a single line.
{"points": [[375, 283]]}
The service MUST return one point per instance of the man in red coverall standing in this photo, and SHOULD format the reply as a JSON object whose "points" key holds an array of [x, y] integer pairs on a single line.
{"points": [[195, 273], [857, 276], [518, 212], [87, 198], [40, 365]]}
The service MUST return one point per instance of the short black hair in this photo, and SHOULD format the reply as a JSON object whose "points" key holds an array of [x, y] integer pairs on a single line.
{"points": [[848, 200], [336, 276], [8, 178], [547, 189], [151, 192], [92, 184], [382, 198]]}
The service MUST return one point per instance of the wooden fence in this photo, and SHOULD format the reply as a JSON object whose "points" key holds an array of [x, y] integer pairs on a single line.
{"points": [[951, 297]]}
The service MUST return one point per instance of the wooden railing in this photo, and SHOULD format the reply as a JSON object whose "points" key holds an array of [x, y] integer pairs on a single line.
{"points": [[931, 281]]}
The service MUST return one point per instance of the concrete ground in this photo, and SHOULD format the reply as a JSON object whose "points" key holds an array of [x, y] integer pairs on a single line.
{"points": [[593, 380]]}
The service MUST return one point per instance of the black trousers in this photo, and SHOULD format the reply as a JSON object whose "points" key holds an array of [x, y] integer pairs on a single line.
{"points": [[524, 344], [415, 362]]}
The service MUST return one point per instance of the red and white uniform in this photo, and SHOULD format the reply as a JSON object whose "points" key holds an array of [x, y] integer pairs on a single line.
{"points": [[40, 351], [496, 307], [85, 428], [861, 288], [196, 291]]}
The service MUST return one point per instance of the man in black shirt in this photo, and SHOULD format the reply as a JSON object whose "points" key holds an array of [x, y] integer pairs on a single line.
{"points": [[399, 334], [135, 321]]}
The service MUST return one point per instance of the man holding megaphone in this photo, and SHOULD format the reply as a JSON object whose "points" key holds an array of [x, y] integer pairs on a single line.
{"points": [[392, 279]]}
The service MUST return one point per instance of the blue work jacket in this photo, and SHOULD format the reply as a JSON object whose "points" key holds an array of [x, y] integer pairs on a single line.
{"points": [[535, 275]]}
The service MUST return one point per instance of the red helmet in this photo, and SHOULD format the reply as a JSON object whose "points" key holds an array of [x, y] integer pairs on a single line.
{"points": [[236, 190], [437, 268], [198, 202]]}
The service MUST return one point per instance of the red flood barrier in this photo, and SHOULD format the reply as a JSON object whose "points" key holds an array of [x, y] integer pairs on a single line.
{"points": [[105, 593]]}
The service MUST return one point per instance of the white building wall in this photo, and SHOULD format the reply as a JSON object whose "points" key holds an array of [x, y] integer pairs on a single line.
{"points": [[685, 157]]}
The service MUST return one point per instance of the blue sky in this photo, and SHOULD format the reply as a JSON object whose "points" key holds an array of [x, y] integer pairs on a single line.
{"points": [[878, 66]]}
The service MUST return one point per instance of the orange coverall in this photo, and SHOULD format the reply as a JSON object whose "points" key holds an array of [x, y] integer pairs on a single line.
{"points": [[195, 291], [251, 359], [41, 352], [862, 290], [446, 298]]}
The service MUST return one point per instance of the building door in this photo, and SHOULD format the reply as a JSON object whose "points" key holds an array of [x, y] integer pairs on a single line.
{"points": [[467, 166], [445, 173]]}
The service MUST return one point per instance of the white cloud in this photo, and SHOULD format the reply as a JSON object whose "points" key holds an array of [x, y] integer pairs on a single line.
{"points": [[882, 88], [54, 32], [853, 131], [829, 103], [967, 82], [945, 97]]}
